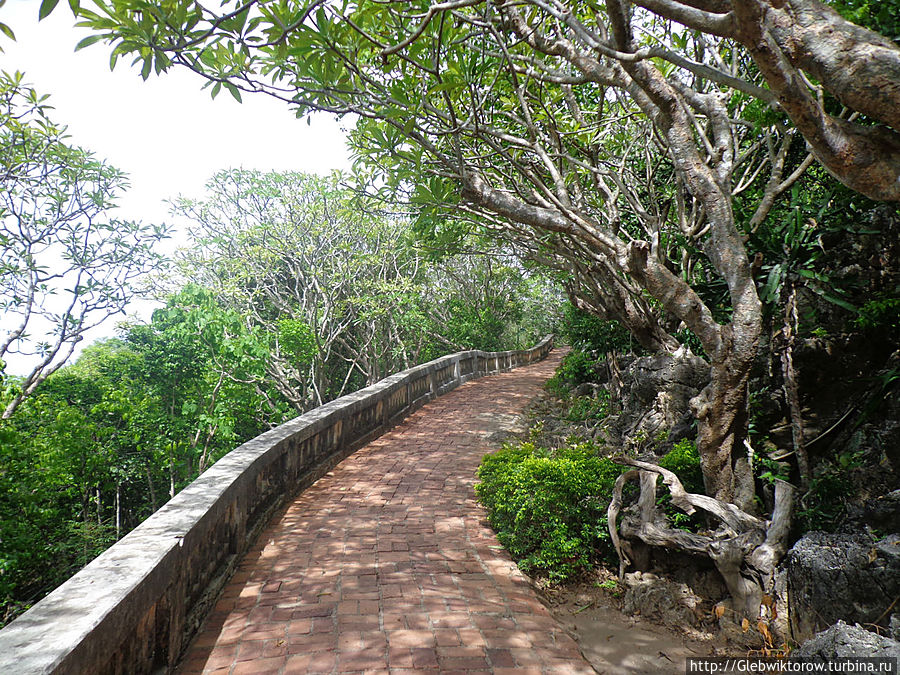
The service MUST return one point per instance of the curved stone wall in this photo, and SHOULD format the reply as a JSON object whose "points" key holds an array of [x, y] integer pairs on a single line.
{"points": [[135, 607]]}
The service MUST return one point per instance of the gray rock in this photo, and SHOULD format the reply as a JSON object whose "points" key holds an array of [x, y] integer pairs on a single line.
{"points": [[669, 602], [847, 577], [842, 640], [655, 395], [881, 512], [586, 389]]}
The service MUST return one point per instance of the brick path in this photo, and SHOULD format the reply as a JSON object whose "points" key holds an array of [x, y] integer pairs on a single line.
{"points": [[387, 565]]}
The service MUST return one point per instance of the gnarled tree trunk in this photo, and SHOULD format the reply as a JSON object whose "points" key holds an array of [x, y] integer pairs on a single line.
{"points": [[744, 548]]}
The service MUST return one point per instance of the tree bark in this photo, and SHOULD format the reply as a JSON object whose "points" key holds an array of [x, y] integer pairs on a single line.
{"points": [[745, 549], [857, 66]]}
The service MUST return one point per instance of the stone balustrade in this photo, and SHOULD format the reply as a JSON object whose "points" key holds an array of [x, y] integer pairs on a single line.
{"points": [[135, 608]]}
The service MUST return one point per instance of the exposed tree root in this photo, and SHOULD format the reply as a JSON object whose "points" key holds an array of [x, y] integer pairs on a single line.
{"points": [[745, 549]]}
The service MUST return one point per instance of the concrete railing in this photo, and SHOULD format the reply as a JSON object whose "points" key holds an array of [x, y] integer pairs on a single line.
{"points": [[135, 607]]}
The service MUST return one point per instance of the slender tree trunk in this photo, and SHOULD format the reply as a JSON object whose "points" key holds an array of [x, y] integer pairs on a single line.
{"points": [[792, 390], [721, 411], [150, 488], [118, 511]]}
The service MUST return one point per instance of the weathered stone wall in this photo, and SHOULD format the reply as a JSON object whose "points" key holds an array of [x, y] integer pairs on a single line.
{"points": [[134, 609]]}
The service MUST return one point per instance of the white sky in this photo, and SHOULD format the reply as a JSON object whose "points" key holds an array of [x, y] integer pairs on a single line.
{"points": [[166, 133]]}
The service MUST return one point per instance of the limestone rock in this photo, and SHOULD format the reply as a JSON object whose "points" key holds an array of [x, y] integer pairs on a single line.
{"points": [[843, 640], [834, 577], [669, 602], [656, 391]]}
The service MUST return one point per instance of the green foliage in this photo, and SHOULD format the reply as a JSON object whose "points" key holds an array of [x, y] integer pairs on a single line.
{"points": [[549, 506], [791, 244], [97, 446], [825, 503], [684, 461], [66, 264], [882, 16], [588, 332], [880, 316], [576, 367], [296, 339], [770, 470], [345, 294], [584, 408]]}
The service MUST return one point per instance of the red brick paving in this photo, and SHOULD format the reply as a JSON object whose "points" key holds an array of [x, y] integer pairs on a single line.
{"points": [[386, 564]]}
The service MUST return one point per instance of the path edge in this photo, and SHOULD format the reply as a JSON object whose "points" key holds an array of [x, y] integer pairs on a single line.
{"points": [[136, 607]]}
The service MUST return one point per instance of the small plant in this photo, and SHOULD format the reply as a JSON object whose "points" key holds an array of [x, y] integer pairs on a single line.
{"points": [[770, 470], [576, 367], [824, 504], [881, 316], [684, 461], [584, 408], [548, 507]]}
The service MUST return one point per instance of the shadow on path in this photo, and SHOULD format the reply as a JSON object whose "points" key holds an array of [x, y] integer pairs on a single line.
{"points": [[386, 564]]}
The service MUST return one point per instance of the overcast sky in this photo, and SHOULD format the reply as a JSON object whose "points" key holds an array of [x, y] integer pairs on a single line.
{"points": [[166, 133]]}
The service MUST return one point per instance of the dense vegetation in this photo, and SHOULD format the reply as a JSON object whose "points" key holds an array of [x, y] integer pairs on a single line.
{"points": [[290, 293], [691, 173]]}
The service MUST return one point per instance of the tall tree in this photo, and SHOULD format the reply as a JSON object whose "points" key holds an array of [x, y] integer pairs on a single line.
{"points": [[66, 264], [602, 136]]}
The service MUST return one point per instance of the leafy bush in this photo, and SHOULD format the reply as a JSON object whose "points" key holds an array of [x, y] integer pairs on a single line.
{"points": [[684, 461], [589, 332], [576, 367], [548, 507], [584, 408], [881, 315]]}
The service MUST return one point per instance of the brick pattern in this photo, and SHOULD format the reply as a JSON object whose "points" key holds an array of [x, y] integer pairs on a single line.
{"points": [[386, 564]]}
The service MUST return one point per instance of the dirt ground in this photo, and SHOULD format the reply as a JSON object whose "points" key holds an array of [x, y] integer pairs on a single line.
{"points": [[617, 644]]}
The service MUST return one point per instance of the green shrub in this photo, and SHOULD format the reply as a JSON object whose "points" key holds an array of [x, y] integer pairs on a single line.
{"points": [[880, 316], [576, 367], [584, 408], [549, 507], [588, 332], [684, 461]]}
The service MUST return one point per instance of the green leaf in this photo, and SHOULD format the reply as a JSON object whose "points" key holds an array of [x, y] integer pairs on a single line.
{"points": [[838, 301], [88, 41], [7, 31], [235, 92], [47, 6]]}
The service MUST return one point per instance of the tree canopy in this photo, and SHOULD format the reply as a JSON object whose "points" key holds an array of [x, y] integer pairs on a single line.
{"points": [[636, 147], [67, 264]]}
